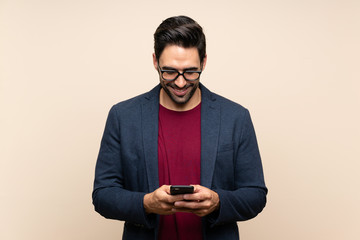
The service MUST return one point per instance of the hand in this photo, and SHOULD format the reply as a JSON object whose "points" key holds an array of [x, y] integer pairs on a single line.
{"points": [[202, 202], [160, 201]]}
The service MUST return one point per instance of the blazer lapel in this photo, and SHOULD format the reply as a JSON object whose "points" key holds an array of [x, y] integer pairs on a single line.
{"points": [[210, 125], [150, 122]]}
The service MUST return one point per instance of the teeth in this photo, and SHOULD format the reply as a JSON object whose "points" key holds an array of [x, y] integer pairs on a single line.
{"points": [[179, 91]]}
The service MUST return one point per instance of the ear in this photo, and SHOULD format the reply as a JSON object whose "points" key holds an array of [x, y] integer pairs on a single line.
{"points": [[204, 62], [155, 62]]}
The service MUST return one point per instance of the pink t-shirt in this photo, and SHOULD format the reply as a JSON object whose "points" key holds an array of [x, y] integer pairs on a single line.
{"points": [[179, 164]]}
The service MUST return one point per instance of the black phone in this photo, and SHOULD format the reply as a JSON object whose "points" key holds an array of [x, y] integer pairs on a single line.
{"points": [[181, 189]]}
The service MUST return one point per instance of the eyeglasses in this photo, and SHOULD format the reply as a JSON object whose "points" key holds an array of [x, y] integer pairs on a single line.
{"points": [[173, 74]]}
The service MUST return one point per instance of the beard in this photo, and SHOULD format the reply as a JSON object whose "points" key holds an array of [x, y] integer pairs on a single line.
{"points": [[170, 86]]}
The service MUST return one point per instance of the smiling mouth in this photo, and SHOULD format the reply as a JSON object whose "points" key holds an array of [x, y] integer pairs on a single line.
{"points": [[180, 92]]}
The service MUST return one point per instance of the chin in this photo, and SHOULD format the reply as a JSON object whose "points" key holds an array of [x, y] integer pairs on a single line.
{"points": [[179, 100], [182, 102]]}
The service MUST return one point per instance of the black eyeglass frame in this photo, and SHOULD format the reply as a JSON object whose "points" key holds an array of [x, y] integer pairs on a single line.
{"points": [[179, 74]]}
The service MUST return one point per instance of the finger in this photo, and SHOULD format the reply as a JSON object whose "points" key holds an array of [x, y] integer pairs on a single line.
{"points": [[198, 212], [191, 204], [174, 210], [166, 188], [199, 196], [172, 198], [163, 195], [166, 207], [175, 198], [197, 188], [193, 197], [201, 213]]}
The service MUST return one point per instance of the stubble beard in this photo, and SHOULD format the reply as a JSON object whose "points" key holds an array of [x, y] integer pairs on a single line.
{"points": [[180, 99]]}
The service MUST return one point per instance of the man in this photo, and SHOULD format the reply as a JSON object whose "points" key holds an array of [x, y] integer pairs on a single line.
{"points": [[179, 133]]}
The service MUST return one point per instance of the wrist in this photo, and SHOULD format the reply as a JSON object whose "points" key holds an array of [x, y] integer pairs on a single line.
{"points": [[217, 201], [146, 203]]}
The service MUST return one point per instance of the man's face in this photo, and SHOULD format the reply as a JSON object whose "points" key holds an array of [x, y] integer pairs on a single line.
{"points": [[178, 58]]}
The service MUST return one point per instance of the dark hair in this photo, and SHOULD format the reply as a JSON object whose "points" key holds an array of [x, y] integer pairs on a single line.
{"points": [[181, 31]]}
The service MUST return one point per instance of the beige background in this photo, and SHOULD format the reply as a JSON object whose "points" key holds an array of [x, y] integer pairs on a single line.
{"points": [[294, 64]]}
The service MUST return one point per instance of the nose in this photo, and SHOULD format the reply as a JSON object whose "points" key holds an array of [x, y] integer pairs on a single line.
{"points": [[180, 82]]}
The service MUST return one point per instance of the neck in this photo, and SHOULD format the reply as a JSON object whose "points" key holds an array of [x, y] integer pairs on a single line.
{"points": [[168, 103]]}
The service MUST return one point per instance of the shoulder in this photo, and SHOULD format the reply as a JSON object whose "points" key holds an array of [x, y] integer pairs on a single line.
{"points": [[226, 105], [136, 102], [229, 104]]}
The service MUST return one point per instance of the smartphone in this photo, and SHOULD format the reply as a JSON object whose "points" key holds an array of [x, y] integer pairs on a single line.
{"points": [[181, 189]]}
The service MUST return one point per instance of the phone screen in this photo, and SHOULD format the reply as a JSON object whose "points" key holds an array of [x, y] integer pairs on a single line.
{"points": [[181, 189]]}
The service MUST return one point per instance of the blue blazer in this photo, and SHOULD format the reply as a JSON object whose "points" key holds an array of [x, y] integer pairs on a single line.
{"points": [[127, 165]]}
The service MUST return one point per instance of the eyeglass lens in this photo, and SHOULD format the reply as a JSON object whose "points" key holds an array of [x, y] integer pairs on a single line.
{"points": [[172, 75]]}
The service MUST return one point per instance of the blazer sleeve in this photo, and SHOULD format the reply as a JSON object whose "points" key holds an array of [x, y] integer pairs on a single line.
{"points": [[249, 195], [110, 198]]}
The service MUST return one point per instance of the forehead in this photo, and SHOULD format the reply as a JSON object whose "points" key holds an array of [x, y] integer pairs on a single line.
{"points": [[179, 57]]}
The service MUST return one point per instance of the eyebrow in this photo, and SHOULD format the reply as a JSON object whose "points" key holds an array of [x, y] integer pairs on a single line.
{"points": [[185, 69]]}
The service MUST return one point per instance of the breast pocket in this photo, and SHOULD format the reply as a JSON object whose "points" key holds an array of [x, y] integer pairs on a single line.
{"points": [[224, 167]]}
